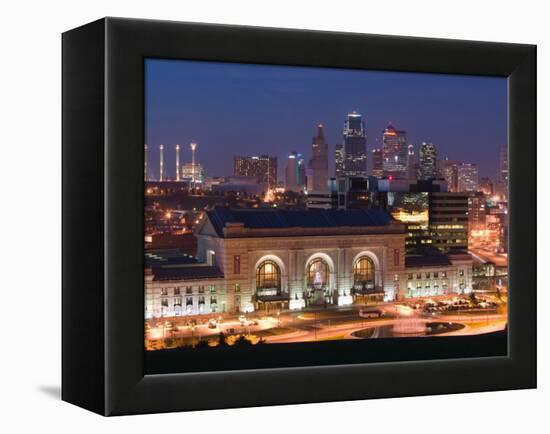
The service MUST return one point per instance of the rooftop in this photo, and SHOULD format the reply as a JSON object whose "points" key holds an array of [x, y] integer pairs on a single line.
{"points": [[162, 257], [187, 272], [220, 217]]}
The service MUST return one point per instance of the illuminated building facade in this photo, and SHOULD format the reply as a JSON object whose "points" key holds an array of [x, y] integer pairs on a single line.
{"points": [[319, 160], [263, 168], [427, 161], [486, 186], [339, 160], [448, 221], [377, 163], [295, 172], [265, 260], [467, 177], [355, 146], [192, 173], [394, 153], [450, 172], [412, 174], [477, 211]]}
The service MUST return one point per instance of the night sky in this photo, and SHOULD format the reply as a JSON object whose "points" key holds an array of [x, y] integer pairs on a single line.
{"points": [[237, 109]]}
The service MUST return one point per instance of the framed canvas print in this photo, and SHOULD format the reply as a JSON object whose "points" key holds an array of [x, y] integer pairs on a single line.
{"points": [[263, 216]]}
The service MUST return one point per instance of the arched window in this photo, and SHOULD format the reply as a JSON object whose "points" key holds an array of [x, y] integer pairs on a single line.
{"points": [[317, 274], [363, 273], [268, 277]]}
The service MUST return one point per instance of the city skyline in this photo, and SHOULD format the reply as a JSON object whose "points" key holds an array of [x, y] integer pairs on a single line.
{"points": [[174, 111]]}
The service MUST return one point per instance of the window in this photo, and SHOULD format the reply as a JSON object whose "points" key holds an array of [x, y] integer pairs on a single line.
{"points": [[212, 289], [395, 256], [396, 278], [436, 275], [177, 301], [444, 274], [418, 275], [201, 289], [163, 291], [363, 273], [427, 285], [201, 299], [189, 301], [409, 276], [213, 300], [427, 275], [236, 264], [268, 277], [461, 273], [237, 287], [164, 302], [317, 274], [176, 291], [189, 290], [418, 285]]}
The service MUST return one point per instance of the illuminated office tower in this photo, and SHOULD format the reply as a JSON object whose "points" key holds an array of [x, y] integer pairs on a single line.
{"points": [[467, 177], [377, 163], [161, 177], [411, 164], [427, 161], [355, 146], [339, 160], [263, 168], [394, 153], [450, 173], [295, 172], [145, 163], [177, 162], [319, 160], [448, 221]]}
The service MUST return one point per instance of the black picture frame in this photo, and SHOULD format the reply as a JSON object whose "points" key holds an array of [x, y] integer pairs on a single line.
{"points": [[102, 294]]}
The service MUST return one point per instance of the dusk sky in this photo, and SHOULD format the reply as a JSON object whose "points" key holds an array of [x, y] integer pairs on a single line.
{"points": [[239, 109]]}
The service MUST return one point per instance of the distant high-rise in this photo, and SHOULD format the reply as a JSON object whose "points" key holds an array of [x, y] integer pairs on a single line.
{"points": [[339, 160], [263, 167], [394, 152], [355, 146], [319, 160], [467, 177], [377, 163], [450, 173], [295, 172], [145, 163], [411, 164], [177, 162], [427, 161], [161, 176], [503, 172]]}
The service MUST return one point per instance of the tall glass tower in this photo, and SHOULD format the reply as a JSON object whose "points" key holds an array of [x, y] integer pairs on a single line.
{"points": [[319, 160], [427, 161], [394, 153], [355, 146]]}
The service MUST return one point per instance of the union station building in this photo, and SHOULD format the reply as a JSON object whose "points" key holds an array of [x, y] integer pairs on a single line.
{"points": [[264, 260]]}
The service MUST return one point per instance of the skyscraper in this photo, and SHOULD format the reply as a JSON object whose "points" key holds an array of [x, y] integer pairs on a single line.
{"points": [[319, 160], [263, 168], [355, 146], [427, 161], [377, 163], [295, 172], [467, 177], [411, 164], [450, 173], [503, 172], [339, 160], [394, 152]]}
